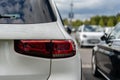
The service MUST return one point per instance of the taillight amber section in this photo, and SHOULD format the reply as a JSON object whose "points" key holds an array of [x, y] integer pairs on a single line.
{"points": [[45, 48]]}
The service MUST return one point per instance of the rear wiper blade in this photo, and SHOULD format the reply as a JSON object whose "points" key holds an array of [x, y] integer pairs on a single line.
{"points": [[11, 16], [3, 16]]}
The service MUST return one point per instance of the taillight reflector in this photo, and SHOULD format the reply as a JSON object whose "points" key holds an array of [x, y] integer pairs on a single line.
{"points": [[46, 48]]}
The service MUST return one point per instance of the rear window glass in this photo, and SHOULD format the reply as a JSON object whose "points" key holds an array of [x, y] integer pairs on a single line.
{"points": [[26, 12]]}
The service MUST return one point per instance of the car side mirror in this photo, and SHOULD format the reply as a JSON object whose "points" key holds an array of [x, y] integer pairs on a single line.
{"points": [[104, 37], [69, 30]]}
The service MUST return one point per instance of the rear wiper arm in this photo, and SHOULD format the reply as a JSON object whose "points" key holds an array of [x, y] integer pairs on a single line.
{"points": [[2, 16]]}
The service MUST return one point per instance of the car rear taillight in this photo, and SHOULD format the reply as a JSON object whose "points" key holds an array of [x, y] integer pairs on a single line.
{"points": [[63, 48], [46, 48]]}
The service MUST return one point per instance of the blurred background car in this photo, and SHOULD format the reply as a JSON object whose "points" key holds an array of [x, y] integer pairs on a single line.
{"points": [[106, 56], [34, 44], [89, 35]]}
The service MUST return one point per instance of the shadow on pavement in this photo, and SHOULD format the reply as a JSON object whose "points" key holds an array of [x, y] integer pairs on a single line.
{"points": [[87, 75]]}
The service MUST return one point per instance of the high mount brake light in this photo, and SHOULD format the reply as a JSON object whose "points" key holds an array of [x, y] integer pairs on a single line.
{"points": [[46, 48]]}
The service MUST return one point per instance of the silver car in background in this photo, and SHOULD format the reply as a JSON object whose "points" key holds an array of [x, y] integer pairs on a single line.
{"points": [[34, 44], [89, 35]]}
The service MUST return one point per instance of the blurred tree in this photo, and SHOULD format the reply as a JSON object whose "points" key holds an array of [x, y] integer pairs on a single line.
{"points": [[118, 19], [65, 21], [101, 22], [77, 23], [110, 22], [94, 20], [114, 20], [87, 22], [105, 20], [118, 15]]}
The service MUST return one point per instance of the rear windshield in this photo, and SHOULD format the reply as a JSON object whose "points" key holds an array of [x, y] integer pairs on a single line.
{"points": [[26, 12]]}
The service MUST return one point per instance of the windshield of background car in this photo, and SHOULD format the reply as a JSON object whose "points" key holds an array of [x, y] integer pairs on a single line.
{"points": [[115, 34], [26, 11], [89, 28]]}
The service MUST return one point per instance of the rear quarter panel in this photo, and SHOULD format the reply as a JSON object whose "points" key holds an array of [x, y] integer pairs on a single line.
{"points": [[66, 69]]}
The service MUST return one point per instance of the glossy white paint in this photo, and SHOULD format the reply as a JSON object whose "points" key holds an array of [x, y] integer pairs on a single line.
{"points": [[66, 69], [14, 66], [31, 31]]}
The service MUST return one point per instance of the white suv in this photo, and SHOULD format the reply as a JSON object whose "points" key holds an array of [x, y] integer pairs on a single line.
{"points": [[34, 44]]}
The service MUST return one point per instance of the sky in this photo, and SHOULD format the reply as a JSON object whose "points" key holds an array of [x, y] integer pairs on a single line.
{"points": [[84, 9]]}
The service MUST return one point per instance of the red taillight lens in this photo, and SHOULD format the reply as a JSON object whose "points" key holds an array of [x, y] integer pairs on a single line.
{"points": [[63, 48], [46, 48]]}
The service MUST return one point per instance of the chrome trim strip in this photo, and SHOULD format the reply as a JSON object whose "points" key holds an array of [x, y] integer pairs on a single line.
{"points": [[103, 74]]}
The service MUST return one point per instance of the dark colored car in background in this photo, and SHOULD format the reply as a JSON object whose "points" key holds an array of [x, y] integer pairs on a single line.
{"points": [[106, 56]]}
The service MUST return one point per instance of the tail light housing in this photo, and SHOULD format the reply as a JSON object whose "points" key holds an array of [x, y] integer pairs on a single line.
{"points": [[46, 48]]}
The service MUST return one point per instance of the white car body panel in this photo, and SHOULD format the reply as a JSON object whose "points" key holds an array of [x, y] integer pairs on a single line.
{"points": [[15, 66], [30, 31], [66, 69], [91, 34]]}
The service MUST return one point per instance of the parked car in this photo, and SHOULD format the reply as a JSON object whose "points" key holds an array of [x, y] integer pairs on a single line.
{"points": [[106, 56], [34, 45], [89, 35]]}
